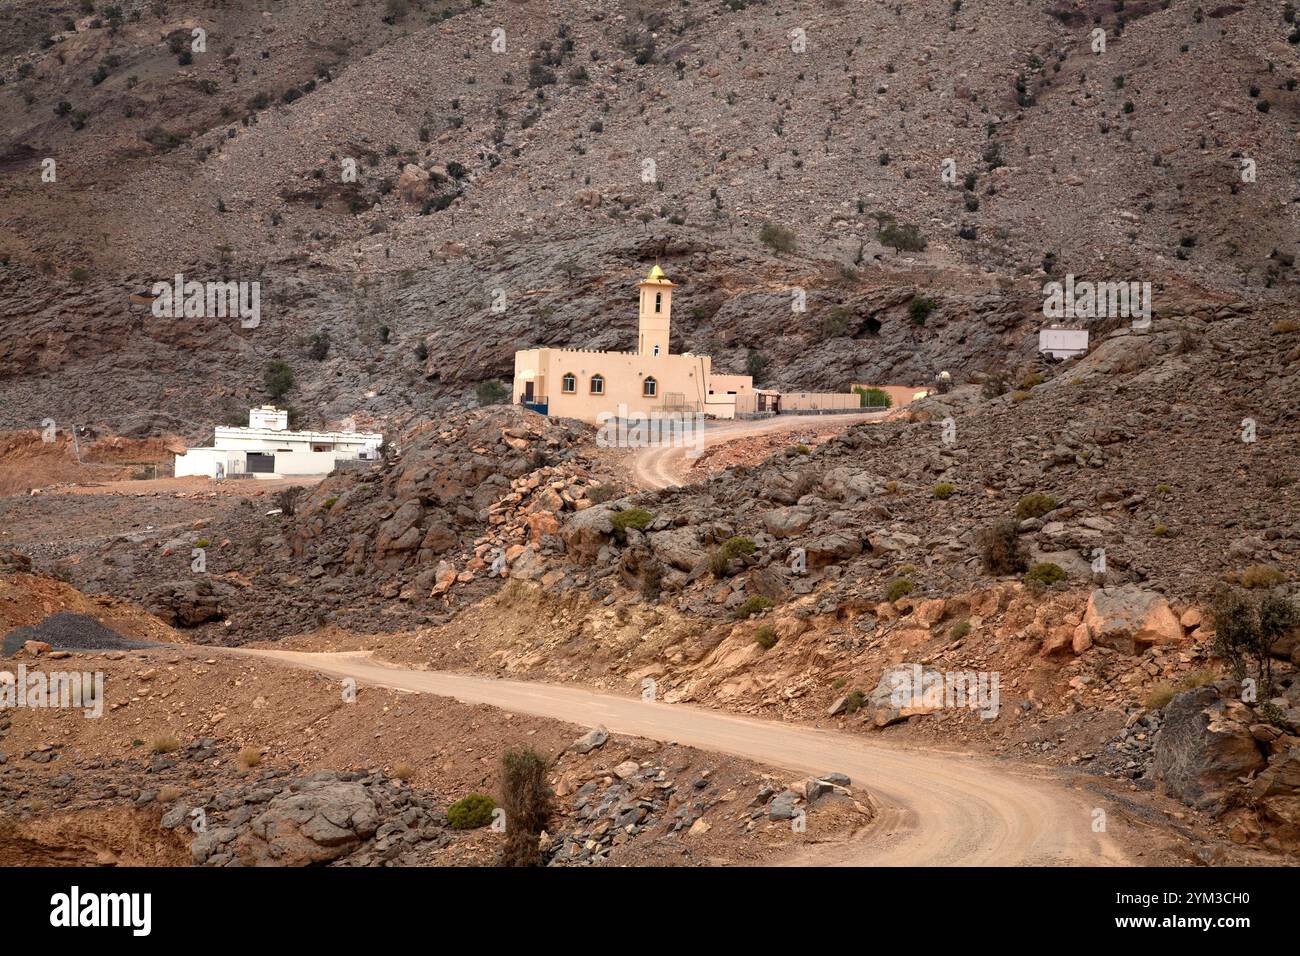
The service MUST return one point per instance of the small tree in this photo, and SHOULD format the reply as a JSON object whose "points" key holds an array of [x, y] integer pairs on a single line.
{"points": [[904, 237], [278, 378], [1245, 630], [756, 364], [526, 799]]}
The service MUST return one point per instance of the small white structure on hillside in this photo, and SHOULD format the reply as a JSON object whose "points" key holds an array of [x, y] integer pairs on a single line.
{"points": [[1062, 343], [267, 449]]}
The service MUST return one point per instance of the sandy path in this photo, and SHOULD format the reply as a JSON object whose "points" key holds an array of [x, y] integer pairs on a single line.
{"points": [[935, 809], [662, 467]]}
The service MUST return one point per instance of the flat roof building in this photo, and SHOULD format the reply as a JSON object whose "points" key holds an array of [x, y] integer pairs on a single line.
{"points": [[267, 449]]}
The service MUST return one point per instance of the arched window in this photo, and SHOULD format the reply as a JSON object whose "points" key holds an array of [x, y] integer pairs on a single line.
{"points": [[598, 385], [569, 384], [649, 388]]}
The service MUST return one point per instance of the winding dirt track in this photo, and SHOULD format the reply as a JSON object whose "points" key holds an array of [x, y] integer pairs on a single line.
{"points": [[934, 809], [661, 467]]}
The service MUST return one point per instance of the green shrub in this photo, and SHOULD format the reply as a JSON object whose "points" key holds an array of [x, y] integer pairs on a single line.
{"points": [[854, 701], [738, 547], [329, 503], [202, 543], [779, 238], [944, 490], [898, 588], [920, 308], [491, 392], [319, 346], [1035, 506], [1045, 572], [959, 630], [904, 237], [278, 378], [765, 637], [637, 518], [802, 450], [753, 606], [598, 494], [873, 397], [472, 812]]}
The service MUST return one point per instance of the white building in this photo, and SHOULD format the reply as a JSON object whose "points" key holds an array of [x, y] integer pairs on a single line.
{"points": [[1062, 343], [267, 449]]}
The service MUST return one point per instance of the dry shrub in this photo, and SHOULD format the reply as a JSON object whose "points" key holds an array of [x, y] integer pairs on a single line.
{"points": [[999, 547], [526, 798], [1261, 576]]}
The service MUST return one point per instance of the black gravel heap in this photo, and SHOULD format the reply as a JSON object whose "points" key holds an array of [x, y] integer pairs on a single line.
{"points": [[70, 632]]}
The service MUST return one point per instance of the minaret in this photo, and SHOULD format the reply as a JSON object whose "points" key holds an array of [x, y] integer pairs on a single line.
{"points": [[656, 311]]}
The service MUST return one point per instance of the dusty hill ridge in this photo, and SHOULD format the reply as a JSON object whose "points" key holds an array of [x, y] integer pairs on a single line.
{"points": [[523, 170]]}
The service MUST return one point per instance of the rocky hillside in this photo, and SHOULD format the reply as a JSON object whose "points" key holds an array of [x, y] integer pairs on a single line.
{"points": [[544, 165], [373, 547]]}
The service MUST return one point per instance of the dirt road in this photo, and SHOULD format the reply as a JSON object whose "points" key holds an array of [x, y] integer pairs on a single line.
{"points": [[661, 467], [935, 809]]}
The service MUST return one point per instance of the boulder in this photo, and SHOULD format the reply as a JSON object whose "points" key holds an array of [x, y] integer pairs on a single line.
{"points": [[831, 548], [401, 531], [1130, 619], [438, 537], [786, 522], [848, 485], [891, 541], [899, 694], [783, 807], [1276, 793], [588, 531], [413, 184], [325, 819], [14, 562], [591, 740], [185, 603], [678, 547], [1204, 746], [775, 581]]}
